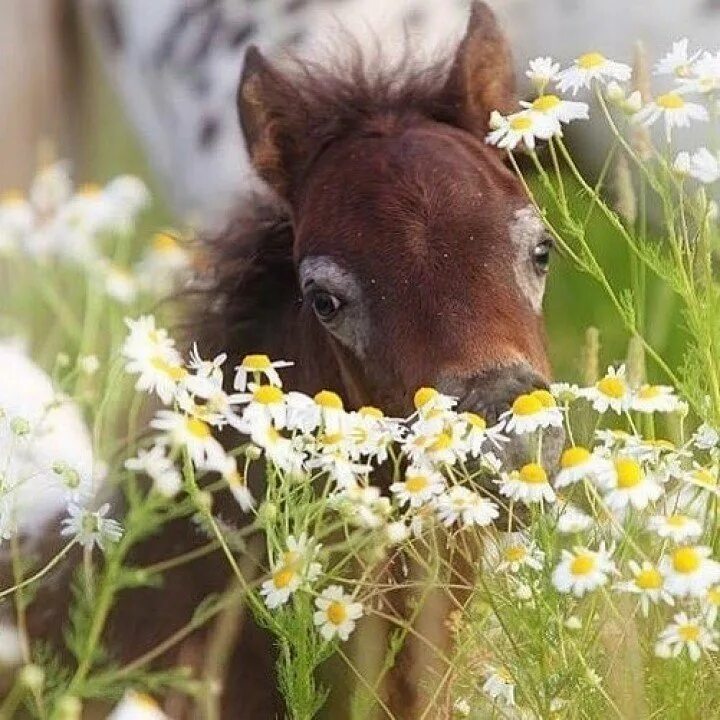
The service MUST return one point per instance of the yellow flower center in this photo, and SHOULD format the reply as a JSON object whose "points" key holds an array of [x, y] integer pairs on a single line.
{"points": [[442, 442], [689, 633], [670, 101], [629, 473], [164, 242], [704, 477], [371, 412], [337, 612], [174, 372], [677, 521], [590, 60], [686, 560], [267, 395], [533, 474], [474, 420], [89, 190], [583, 564], [649, 579], [143, 701], [648, 392], [331, 438], [423, 396], [545, 103], [515, 553], [283, 577], [416, 483], [521, 123], [197, 428], [328, 400], [545, 397], [574, 456], [256, 363], [526, 405], [613, 387]]}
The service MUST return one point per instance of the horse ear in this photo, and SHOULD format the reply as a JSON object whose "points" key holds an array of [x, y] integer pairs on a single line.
{"points": [[482, 78], [267, 107]]}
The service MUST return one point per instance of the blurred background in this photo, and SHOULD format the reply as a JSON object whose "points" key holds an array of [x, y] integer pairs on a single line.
{"points": [[147, 87]]}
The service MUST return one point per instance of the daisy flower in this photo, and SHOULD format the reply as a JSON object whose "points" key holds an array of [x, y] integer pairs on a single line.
{"points": [[278, 449], [257, 367], [420, 485], [156, 464], [523, 127], [515, 553], [332, 410], [648, 583], [91, 528], [187, 431], [478, 433], [265, 404], [678, 61], [290, 570], [468, 508], [675, 111], [610, 392], [572, 520], [582, 570], [677, 527], [529, 485], [283, 582], [704, 166], [397, 532], [578, 463], [500, 686], [336, 613], [447, 446], [632, 485], [137, 706], [565, 392], [689, 571], [704, 76], [532, 411], [691, 634], [430, 403], [561, 111], [655, 398], [543, 70], [588, 67]]}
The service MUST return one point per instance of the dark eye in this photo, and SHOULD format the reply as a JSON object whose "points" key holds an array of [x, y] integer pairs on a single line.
{"points": [[325, 305], [541, 255]]}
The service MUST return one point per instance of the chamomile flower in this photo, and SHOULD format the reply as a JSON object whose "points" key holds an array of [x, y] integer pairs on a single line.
{"points": [[530, 412], [561, 111], [163, 265], [655, 398], [678, 61], [336, 613], [543, 70], [704, 166], [283, 582], [499, 686], [572, 520], [691, 634], [676, 526], [610, 392], [704, 77], [156, 464], [256, 367], [90, 527], [618, 96], [465, 507], [187, 431], [689, 570], [582, 570], [565, 392], [448, 445], [529, 485], [648, 583], [516, 553], [137, 706], [279, 449], [290, 570], [592, 66], [430, 403], [632, 486], [675, 111], [525, 127], [478, 434], [331, 409], [265, 403], [420, 485], [577, 463]]}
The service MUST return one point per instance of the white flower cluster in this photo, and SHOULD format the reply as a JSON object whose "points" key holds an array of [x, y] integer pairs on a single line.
{"points": [[57, 221]]}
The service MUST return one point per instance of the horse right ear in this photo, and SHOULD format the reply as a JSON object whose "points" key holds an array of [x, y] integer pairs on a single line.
{"points": [[270, 118]]}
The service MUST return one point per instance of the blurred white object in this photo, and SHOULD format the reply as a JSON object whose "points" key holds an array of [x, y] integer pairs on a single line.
{"points": [[51, 463], [177, 62]]}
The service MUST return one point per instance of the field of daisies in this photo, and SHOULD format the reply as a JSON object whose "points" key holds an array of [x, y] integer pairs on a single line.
{"points": [[590, 590]]}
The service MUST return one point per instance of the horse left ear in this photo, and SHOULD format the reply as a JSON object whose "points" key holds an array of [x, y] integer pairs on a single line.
{"points": [[482, 78]]}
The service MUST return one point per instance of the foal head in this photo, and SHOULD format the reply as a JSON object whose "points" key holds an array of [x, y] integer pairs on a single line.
{"points": [[417, 257]]}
